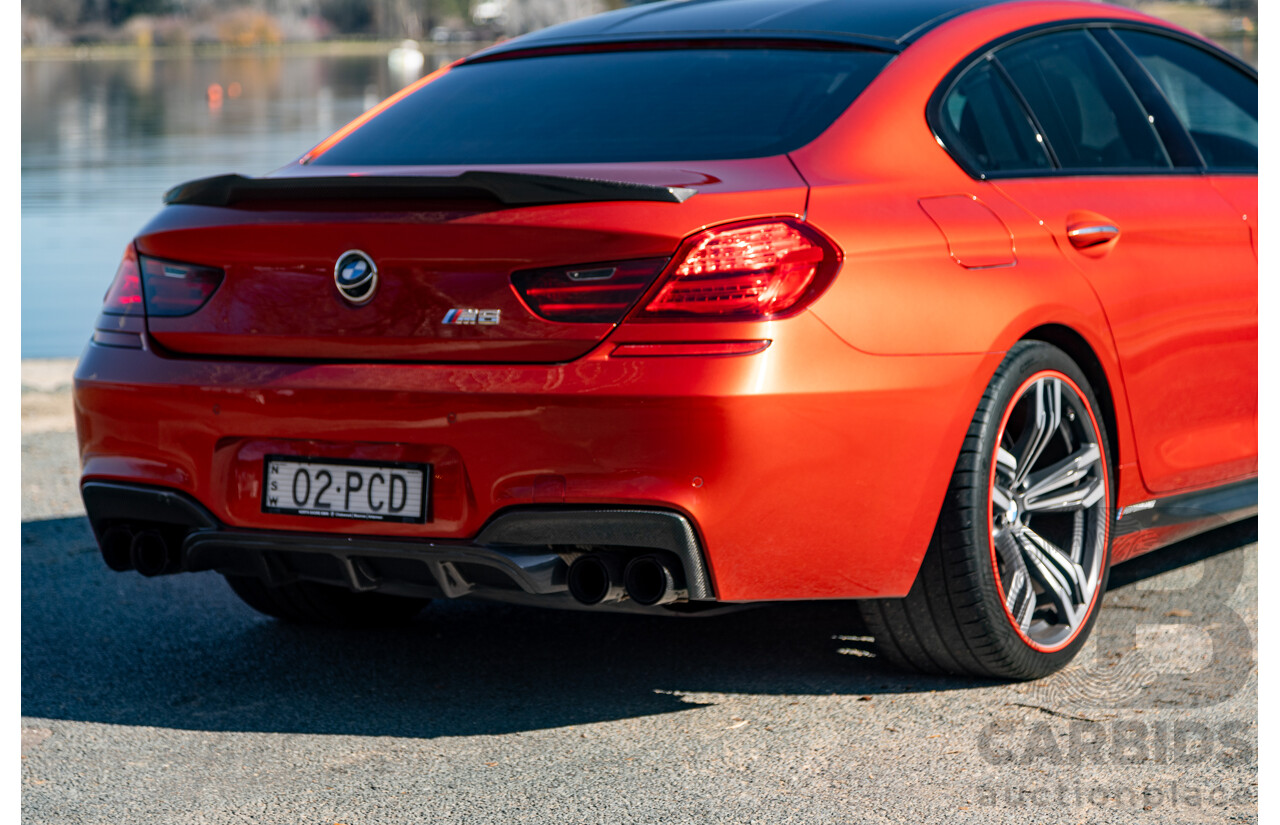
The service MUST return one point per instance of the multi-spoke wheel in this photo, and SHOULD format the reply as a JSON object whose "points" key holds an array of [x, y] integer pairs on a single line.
{"points": [[1048, 510], [1014, 574]]}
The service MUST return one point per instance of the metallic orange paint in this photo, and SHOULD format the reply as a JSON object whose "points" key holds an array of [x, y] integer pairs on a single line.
{"points": [[760, 430], [1179, 287], [976, 236], [823, 458]]}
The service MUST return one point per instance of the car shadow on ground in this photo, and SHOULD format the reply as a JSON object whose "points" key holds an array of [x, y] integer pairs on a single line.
{"points": [[183, 652]]}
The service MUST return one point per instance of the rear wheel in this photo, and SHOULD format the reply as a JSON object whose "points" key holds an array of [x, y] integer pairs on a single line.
{"points": [[1014, 574], [325, 604]]}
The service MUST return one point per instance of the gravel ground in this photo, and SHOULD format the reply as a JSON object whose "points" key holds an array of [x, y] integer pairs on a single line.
{"points": [[167, 701]]}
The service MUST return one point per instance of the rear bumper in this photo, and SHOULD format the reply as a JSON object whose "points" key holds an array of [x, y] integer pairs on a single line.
{"points": [[810, 470], [511, 559]]}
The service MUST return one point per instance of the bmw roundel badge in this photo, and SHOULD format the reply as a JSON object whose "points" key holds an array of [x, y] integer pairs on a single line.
{"points": [[356, 276]]}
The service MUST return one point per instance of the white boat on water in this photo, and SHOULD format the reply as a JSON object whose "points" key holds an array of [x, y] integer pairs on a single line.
{"points": [[407, 58]]}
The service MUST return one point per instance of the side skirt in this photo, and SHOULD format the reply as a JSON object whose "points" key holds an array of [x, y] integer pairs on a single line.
{"points": [[1150, 525]]}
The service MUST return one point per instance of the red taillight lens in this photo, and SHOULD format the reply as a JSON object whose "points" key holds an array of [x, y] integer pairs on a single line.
{"points": [[124, 296], [174, 289], [592, 293], [754, 271]]}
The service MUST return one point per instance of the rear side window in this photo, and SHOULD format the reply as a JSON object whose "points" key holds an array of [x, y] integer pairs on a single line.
{"points": [[982, 120], [616, 106], [1216, 102], [1086, 109]]}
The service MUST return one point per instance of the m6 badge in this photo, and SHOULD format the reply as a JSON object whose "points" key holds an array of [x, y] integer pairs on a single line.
{"points": [[481, 317]]}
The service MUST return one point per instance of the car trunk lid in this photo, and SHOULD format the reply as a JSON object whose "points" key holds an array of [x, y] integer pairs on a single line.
{"points": [[445, 254]]}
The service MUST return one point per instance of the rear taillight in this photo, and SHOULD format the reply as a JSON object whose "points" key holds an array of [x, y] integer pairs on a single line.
{"points": [[173, 289], [594, 293], [124, 296], [758, 270]]}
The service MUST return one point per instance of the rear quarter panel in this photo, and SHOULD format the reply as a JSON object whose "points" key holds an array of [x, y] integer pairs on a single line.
{"points": [[900, 292]]}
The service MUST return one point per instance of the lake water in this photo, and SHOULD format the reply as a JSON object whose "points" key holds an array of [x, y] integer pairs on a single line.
{"points": [[103, 139]]}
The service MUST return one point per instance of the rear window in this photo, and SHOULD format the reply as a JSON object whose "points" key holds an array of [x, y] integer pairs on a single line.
{"points": [[621, 106]]}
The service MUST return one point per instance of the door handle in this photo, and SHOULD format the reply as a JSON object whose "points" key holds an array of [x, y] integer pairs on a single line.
{"points": [[1091, 233]]}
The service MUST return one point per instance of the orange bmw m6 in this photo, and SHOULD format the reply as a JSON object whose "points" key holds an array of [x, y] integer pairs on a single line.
{"points": [[944, 307]]}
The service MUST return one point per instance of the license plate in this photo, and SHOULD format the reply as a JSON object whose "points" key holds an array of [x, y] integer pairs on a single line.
{"points": [[334, 488]]}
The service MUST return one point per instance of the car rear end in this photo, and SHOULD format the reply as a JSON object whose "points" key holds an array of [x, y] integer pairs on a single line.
{"points": [[543, 377]]}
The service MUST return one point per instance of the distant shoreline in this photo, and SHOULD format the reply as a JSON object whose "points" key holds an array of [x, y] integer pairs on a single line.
{"points": [[350, 48], [323, 48], [46, 395]]}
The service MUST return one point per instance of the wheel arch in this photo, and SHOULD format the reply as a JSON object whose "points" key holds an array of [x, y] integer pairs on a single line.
{"points": [[1078, 348]]}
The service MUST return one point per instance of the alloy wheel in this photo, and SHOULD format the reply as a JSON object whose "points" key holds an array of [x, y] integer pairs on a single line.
{"points": [[1050, 502]]}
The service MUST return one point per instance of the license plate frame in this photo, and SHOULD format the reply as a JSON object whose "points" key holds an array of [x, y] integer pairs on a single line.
{"points": [[286, 491]]}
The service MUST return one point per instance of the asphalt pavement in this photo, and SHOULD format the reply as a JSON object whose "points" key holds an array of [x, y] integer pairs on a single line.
{"points": [[168, 701]]}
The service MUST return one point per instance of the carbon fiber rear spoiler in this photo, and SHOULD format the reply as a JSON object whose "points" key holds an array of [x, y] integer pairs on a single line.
{"points": [[510, 188]]}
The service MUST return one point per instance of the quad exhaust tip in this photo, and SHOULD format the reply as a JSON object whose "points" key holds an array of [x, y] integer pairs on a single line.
{"points": [[596, 578], [151, 554], [116, 543], [149, 551], [603, 578], [650, 581]]}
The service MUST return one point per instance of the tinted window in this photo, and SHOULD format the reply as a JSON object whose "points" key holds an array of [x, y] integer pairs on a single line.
{"points": [[683, 104], [983, 122], [1216, 102], [1086, 109]]}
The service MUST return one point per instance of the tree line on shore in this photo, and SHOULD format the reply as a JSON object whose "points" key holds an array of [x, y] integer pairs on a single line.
{"points": [[147, 23]]}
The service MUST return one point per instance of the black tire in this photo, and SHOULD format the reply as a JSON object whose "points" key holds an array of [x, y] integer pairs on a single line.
{"points": [[324, 604], [954, 619]]}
